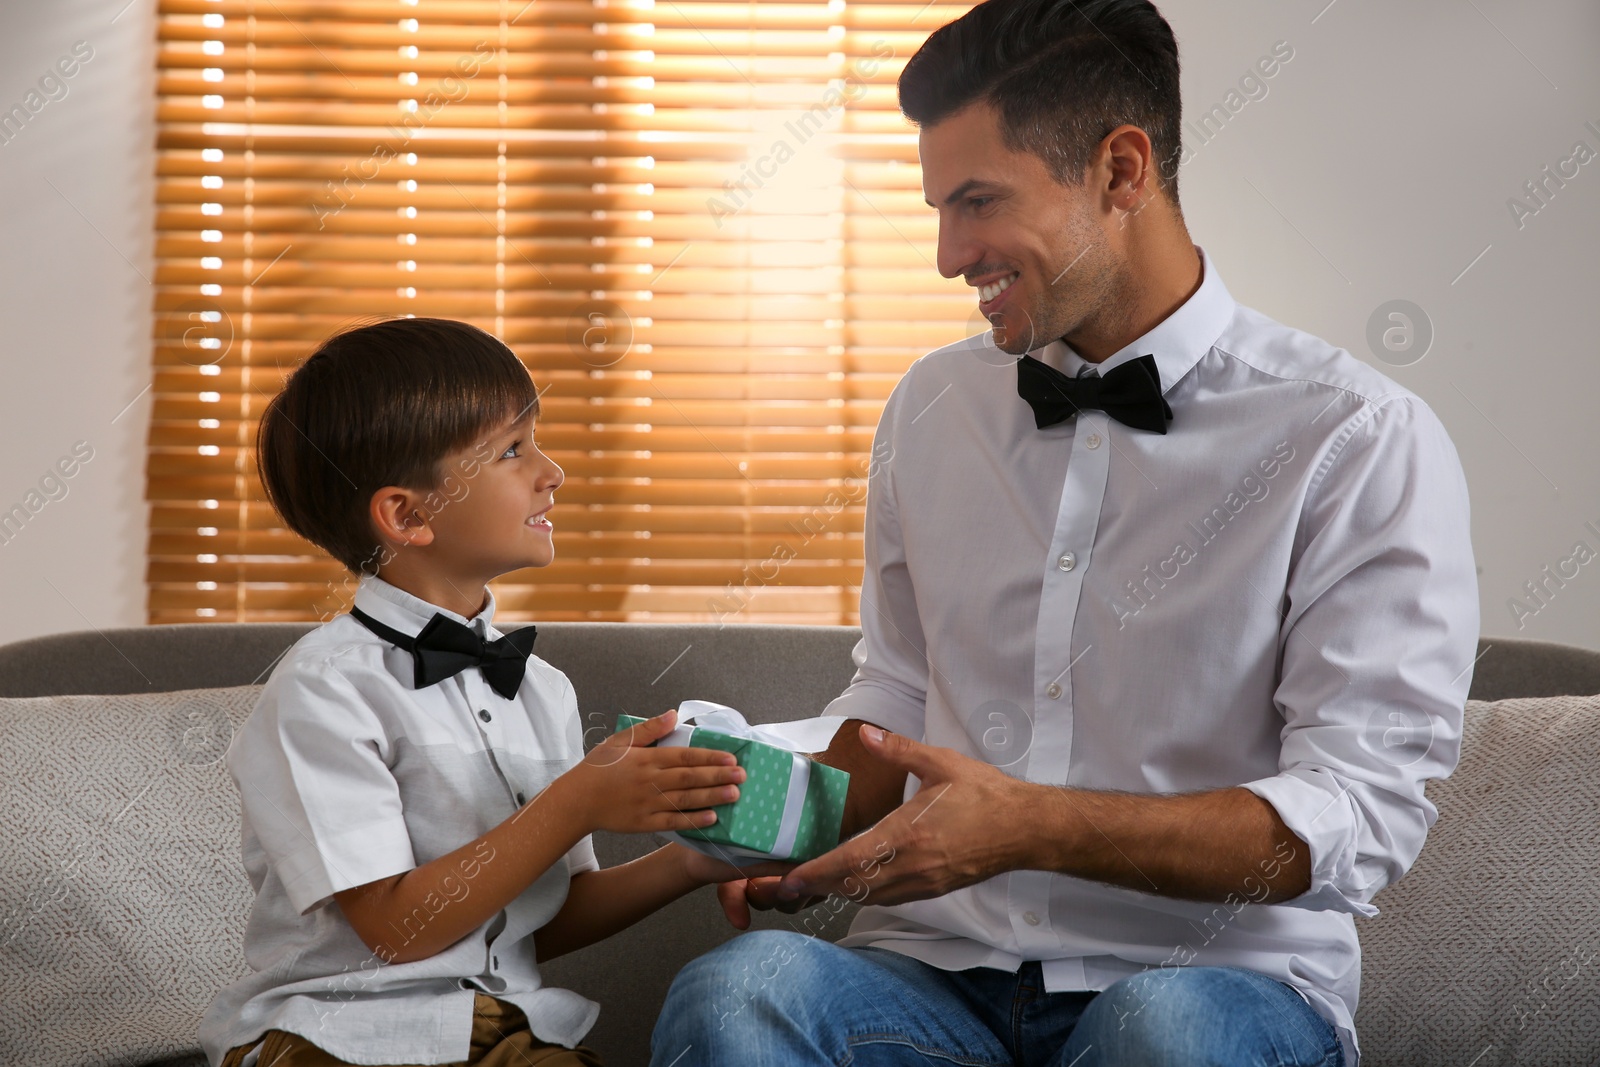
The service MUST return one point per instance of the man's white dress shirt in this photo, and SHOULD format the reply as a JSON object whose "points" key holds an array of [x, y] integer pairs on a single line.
{"points": [[346, 775], [1277, 593]]}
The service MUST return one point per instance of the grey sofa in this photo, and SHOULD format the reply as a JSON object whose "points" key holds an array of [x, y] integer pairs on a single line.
{"points": [[772, 673]]}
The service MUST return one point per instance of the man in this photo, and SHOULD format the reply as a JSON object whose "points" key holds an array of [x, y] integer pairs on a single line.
{"points": [[1181, 645]]}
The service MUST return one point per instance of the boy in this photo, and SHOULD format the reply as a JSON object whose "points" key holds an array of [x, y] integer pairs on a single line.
{"points": [[416, 803]]}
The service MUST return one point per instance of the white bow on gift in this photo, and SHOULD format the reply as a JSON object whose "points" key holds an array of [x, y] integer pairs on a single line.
{"points": [[800, 737]]}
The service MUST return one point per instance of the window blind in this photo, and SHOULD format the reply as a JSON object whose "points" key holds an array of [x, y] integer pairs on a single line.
{"points": [[700, 225]]}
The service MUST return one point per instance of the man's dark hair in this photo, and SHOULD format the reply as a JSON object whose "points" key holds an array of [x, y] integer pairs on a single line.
{"points": [[378, 405], [1062, 74]]}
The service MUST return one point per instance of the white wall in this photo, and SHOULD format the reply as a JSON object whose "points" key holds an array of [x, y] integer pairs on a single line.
{"points": [[76, 184], [1377, 166]]}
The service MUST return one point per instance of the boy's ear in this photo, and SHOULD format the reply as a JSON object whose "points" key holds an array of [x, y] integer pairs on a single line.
{"points": [[399, 517]]}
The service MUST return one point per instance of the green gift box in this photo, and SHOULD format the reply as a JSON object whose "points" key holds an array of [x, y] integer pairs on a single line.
{"points": [[790, 807]]}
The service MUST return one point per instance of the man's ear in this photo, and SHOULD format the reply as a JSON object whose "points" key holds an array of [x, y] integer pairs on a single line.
{"points": [[398, 516], [1130, 168]]}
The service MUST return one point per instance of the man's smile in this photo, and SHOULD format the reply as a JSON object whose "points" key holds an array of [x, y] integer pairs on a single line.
{"points": [[992, 294]]}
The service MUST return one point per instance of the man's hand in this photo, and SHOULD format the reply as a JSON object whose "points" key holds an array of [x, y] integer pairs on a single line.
{"points": [[876, 786], [959, 829], [970, 821]]}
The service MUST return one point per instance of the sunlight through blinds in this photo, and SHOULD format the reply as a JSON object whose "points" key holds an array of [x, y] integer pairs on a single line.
{"points": [[699, 225]]}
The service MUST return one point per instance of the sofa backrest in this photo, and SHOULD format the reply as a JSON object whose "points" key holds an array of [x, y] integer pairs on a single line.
{"points": [[211, 655]]}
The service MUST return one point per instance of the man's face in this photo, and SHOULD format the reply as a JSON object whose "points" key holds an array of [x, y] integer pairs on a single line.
{"points": [[1038, 252]]}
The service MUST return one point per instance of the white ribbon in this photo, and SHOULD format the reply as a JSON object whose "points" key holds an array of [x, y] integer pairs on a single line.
{"points": [[806, 735]]}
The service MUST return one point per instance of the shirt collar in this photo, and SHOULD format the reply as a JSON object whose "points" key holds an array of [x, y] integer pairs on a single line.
{"points": [[1177, 341], [395, 607]]}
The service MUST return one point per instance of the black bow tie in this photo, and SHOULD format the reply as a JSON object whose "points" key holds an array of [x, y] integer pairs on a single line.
{"points": [[445, 648], [1130, 393]]}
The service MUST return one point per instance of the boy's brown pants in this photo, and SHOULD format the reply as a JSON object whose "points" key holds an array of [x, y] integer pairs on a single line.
{"points": [[500, 1038]]}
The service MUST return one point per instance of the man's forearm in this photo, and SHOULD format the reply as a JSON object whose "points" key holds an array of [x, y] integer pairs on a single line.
{"points": [[1195, 846]]}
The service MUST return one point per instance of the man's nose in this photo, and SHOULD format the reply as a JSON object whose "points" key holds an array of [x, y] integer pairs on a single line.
{"points": [[957, 250]]}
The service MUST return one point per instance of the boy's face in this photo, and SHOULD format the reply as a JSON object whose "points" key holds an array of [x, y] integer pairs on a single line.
{"points": [[494, 503]]}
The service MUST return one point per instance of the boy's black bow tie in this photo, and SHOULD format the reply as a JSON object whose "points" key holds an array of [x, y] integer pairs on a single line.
{"points": [[445, 648], [1130, 393]]}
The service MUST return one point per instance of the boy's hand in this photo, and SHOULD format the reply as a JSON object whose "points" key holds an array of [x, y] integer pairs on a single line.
{"points": [[626, 787], [708, 870], [757, 887], [731, 881]]}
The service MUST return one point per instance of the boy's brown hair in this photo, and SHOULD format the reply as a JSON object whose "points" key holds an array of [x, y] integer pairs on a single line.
{"points": [[378, 405]]}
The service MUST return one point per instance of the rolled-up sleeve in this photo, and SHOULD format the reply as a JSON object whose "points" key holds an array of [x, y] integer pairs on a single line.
{"points": [[315, 788], [1377, 644], [890, 687]]}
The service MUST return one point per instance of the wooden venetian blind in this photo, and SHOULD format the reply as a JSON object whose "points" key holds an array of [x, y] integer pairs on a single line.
{"points": [[700, 225]]}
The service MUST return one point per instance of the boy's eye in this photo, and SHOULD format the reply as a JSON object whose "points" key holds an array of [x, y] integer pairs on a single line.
{"points": [[513, 451]]}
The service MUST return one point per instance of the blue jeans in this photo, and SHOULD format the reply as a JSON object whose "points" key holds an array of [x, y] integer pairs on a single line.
{"points": [[777, 998]]}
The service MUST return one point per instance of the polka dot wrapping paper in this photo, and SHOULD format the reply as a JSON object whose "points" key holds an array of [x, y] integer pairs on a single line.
{"points": [[751, 823]]}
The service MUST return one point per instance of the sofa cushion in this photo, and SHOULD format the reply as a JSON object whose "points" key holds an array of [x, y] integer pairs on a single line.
{"points": [[122, 894], [1488, 951]]}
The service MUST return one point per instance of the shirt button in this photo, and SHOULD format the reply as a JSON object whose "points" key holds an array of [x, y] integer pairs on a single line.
{"points": [[483, 713], [1052, 690], [1030, 918], [1093, 440], [1067, 561]]}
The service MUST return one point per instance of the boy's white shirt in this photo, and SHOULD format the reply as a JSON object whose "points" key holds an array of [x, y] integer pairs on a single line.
{"points": [[347, 775]]}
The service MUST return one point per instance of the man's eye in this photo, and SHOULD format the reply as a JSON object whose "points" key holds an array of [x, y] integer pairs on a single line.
{"points": [[980, 201]]}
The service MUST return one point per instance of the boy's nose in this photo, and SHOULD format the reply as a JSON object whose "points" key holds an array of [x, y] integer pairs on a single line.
{"points": [[551, 475]]}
